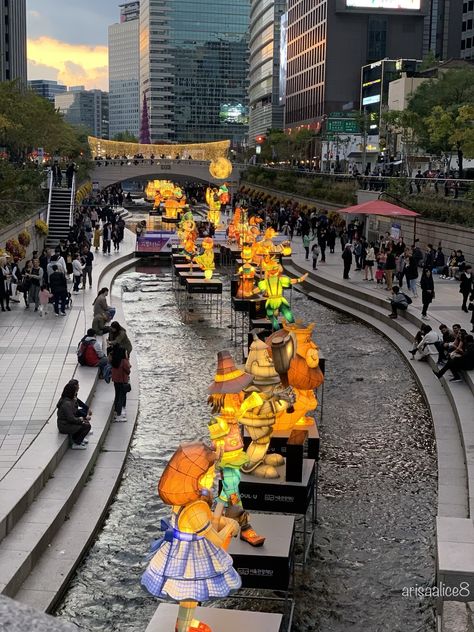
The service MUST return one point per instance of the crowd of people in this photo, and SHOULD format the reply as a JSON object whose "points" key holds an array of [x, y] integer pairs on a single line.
{"points": [[451, 349]]}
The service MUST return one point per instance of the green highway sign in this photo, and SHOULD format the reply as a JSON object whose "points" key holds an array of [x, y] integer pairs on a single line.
{"points": [[343, 126]]}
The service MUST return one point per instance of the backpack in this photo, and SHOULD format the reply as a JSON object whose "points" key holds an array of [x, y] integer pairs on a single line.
{"points": [[407, 298], [86, 354]]}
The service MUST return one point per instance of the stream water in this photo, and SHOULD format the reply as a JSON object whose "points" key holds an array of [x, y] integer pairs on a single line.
{"points": [[377, 490]]}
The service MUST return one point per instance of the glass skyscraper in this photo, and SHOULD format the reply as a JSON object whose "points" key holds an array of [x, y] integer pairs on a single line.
{"points": [[194, 69]]}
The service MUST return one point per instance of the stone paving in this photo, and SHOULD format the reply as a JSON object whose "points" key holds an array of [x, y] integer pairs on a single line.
{"points": [[37, 357]]}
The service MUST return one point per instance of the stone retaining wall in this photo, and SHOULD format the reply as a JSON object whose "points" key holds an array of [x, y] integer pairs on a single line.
{"points": [[12, 231]]}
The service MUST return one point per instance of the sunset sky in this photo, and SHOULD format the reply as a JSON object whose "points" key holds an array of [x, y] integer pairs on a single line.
{"points": [[67, 40]]}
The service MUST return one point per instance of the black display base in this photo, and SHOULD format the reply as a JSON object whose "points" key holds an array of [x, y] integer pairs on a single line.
{"points": [[279, 495], [270, 566], [280, 439], [164, 620], [199, 286]]}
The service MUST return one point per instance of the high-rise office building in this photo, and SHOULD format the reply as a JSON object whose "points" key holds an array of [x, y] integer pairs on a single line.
{"points": [[330, 40], [442, 32], [266, 112], [124, 71], [467, 36], [194, 69], [13, 40], [46, 88], [87, 108]]}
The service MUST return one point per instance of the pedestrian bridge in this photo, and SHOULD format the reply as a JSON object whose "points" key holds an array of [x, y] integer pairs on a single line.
{"points": [[112, 171]]}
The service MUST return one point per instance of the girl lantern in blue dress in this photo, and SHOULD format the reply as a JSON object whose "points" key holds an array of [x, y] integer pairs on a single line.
{"points": [[189, 563]]}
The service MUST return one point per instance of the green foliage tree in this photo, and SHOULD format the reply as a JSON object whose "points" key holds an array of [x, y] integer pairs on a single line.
{"points": [[125, 137], [445, 115]]}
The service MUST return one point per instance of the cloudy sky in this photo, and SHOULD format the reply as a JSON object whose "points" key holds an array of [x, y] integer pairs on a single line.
{"points": [[67, 40]]}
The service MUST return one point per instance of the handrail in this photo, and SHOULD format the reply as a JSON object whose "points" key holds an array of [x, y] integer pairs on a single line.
{"points": [[73, 201], [50, 194]]}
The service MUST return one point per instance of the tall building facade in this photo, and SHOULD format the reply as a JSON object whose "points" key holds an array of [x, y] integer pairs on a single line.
{"points": [[467, 36], [13, 40], [266, 112], [124, 71], [46, 88], [330, 40], [442, 33], [87, 108], [194, 69]]}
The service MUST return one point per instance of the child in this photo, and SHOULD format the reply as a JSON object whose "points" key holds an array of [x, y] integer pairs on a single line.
{"points": [[44, 297]]}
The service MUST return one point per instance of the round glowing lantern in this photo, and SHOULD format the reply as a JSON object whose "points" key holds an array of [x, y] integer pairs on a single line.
{"points": [[220, 168]]}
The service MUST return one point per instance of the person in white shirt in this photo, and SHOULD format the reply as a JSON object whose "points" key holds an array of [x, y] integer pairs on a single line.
{"points": [[77, 269], [427, 344]]}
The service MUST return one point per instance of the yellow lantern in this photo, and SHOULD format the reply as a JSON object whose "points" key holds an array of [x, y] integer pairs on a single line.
{"points": [[220, 168]]}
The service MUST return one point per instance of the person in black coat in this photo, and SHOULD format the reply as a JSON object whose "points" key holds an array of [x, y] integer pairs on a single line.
{"points": [[466, 286], [347, 258], [58, 288], [427, 290]]}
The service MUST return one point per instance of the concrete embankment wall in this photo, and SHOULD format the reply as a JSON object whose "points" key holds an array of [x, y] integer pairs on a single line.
{"points": [[451, 236], [12, 231]]}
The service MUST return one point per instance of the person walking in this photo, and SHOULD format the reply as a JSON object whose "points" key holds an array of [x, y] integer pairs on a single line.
{"points": [[77, 270], [69, 422], [36, 281], [411, 273], [322, 241], [121, 379], [315, 254], [390, 265], [332, 235], [16, 280], [369, 262], [466, 286], [5, 283], [106, 238], [88, 258], [427, 291], [44, 297], [347, 258], [58, 287], [306, 244]]}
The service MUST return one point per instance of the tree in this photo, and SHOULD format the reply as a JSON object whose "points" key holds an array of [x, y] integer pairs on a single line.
{"points": [[403, 125], [445, 114], [125, 137]]}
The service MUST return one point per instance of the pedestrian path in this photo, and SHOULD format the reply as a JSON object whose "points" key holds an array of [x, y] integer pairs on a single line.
{"points": [[446, 307], [37, 358]]}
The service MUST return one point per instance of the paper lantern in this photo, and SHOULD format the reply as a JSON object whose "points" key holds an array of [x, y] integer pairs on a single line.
{"points": [[220, 168]]}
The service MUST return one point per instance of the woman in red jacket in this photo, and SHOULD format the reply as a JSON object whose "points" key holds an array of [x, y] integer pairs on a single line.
{"points": [[121, 379]]}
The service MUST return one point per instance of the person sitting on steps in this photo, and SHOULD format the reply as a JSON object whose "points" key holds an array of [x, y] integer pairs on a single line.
{"points": [[69, 422]]}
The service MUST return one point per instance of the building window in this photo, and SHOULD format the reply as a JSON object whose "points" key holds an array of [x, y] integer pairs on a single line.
{"points": [[377, 38]]}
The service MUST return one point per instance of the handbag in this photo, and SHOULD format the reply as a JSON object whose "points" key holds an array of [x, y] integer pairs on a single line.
{"points": [[470, 307], [127, 387]]}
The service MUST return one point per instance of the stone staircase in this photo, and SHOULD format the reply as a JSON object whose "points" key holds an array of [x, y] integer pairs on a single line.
{"points": [[53, 500], [451, 406], [59, 215]]}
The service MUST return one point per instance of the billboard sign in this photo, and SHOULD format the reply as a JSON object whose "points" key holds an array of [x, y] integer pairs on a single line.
{"points": [[393, 5]]}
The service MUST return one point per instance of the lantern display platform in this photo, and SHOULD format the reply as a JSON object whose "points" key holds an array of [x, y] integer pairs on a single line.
{"points": [[280, 439], [183, 275], [280, 495], [177, 258], [242, 311], [269, 567], [201, 296], [219, 620]]}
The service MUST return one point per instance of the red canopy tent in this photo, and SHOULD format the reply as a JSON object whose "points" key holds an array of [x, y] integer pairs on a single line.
{"points": [[378, 207]]}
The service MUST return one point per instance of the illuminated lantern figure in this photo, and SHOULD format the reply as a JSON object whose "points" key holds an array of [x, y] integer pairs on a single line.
{"points": [[226, 399], [273, 285], [233, 232], [214, 203], [246, 273], [304, 376], [220, 168], [190, 563], [268, 401], [206, 260], [187, 234], [224, 195]]}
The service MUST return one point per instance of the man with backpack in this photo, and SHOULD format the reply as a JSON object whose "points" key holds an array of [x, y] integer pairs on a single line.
{"points": [[399, 301], [90, 353], [58, 287]]}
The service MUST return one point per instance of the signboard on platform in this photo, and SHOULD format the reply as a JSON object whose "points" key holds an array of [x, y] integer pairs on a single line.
{"points": [[154, 241]]}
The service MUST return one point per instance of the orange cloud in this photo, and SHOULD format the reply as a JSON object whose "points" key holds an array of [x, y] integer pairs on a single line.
{"points": [[75, 64]]}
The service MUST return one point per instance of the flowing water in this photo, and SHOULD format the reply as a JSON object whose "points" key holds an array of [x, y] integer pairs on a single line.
{"points": [[377, 491]]}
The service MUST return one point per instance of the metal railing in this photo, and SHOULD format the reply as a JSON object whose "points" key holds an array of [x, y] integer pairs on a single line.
{"points": [[50, 194], [72, 204]]}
